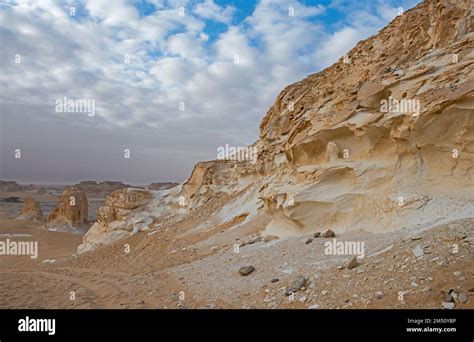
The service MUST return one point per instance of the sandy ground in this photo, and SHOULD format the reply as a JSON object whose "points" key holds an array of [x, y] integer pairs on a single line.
{"points": [[180, 266]]}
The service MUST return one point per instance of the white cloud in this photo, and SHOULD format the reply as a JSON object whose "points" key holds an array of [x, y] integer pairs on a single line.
{"points": [[170, 60], [210, 10]]}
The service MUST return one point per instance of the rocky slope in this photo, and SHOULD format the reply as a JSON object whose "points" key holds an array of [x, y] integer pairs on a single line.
{"points": [[381, 140]]}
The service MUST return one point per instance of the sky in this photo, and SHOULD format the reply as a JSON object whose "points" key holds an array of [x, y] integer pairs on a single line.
{"points": [[170, 81]]}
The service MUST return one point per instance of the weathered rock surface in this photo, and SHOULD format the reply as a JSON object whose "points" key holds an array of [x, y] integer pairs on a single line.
{"points": [[71, 213], [124, 213], [379, 141], [31, 210]]}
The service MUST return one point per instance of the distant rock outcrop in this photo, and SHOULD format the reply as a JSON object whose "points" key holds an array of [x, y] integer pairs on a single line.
{"points": [[102, 189], [31, 210], [71, 213], [161, 186], [10, 186]]}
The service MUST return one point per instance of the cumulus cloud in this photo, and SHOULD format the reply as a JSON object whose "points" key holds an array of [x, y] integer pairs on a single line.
{"points": [[163, 88], [210, 10]]}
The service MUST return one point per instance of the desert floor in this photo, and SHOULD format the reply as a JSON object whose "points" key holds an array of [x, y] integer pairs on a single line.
{"points": [[183, 265]]}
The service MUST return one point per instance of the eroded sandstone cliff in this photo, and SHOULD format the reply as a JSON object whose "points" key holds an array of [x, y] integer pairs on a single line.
{"points": [[379, 141]]}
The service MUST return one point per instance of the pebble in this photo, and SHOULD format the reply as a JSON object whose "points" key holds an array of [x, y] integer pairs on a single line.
{"points": [[324, 292], [457, 273], [246, 270], [329, 234], [299, 283], [308, 241], [353, 263], [448, 305], [418, 251], [463, 298], [317, 234], [314, 306], [379, 295], [275, 280], [447, 297]]}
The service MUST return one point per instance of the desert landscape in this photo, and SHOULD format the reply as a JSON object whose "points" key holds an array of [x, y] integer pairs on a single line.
{"points": [[360, 196]]}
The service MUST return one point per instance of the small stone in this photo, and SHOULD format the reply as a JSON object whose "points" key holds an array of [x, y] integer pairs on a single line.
{"points": [[299, 282], [308, 241], [414, 284], [463, 298], [275, 280], [316, 235], [353, 263], [314, 306], [340, 267], [329, 234], [457, 273], [418, 251], [379, 295], [246, 270], [303, 299], [324, 292], [267, 290], [448, 305], [447, 297]]}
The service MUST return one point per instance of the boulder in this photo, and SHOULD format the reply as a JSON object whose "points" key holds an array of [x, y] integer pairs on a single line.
{"points": [[129, 198]]}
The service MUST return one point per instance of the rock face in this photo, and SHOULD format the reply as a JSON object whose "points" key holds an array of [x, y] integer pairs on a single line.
{"points": [[71, 213], [10, 186], [125, 212], [31, 210], [381, 140]]}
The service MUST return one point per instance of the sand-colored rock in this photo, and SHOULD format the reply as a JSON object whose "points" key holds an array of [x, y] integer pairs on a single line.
{"points": [[31, 210], [381, 143], [95, 189], [124, 214], [71, 213], [128, 198]]}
